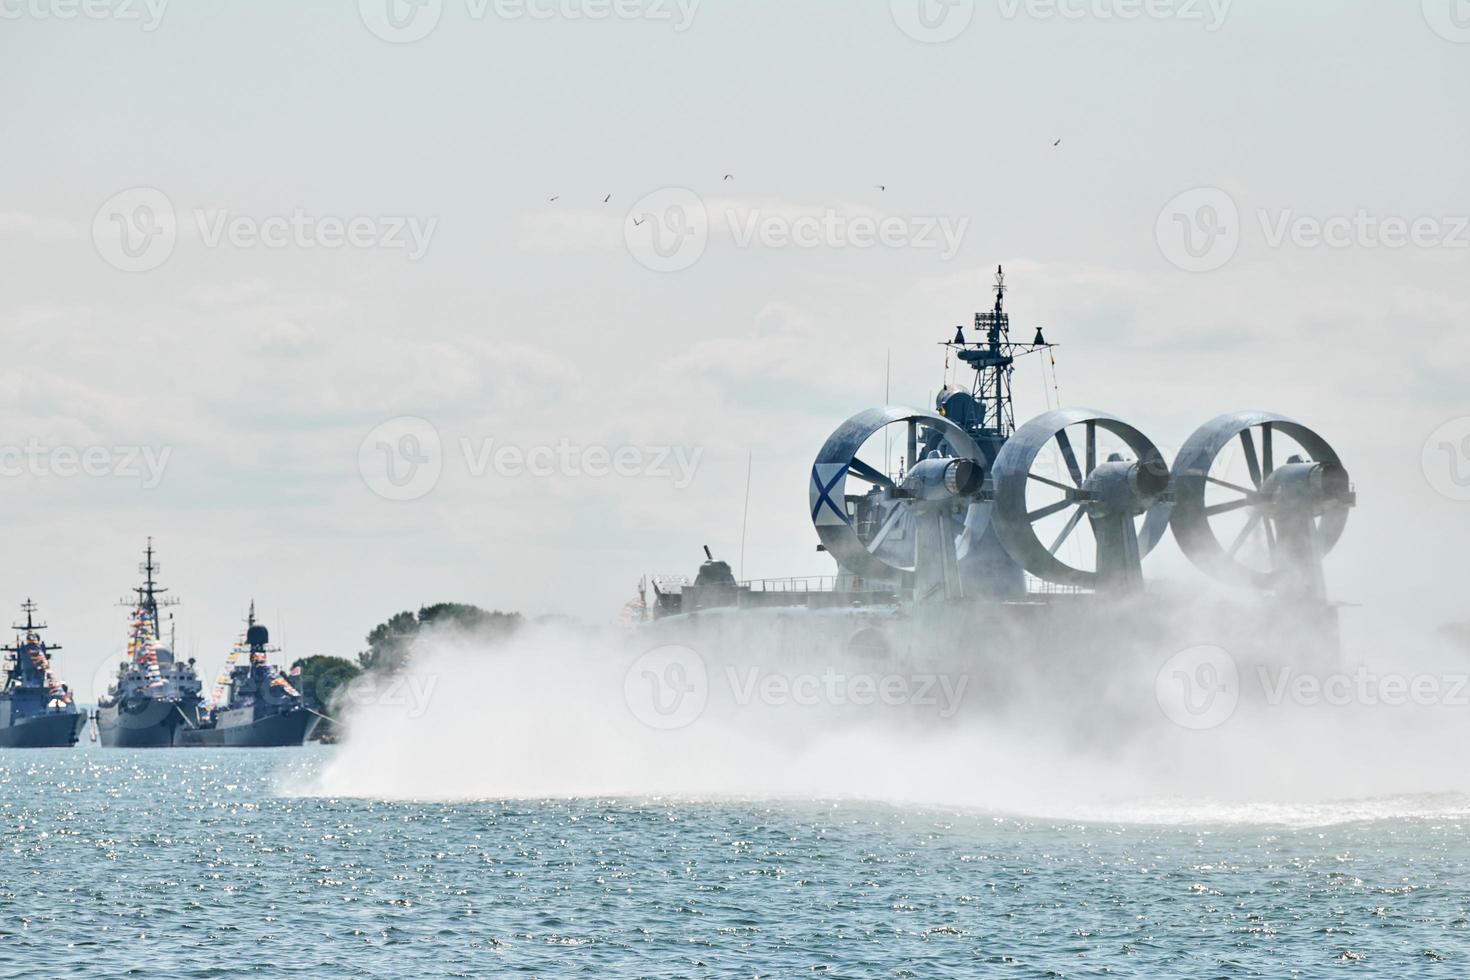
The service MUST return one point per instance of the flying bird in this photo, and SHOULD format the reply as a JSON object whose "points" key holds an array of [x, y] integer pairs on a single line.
{"points": [[881, 187], [639, 221], [557, 198], [606, 199], [1057, 143], [729, 177]]}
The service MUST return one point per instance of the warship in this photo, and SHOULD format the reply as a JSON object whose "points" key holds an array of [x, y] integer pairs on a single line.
{"points": [[154, 697], [36, 710], [956, 531], [254, 704]]}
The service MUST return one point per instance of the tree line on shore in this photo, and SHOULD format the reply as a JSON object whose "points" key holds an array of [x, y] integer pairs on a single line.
{"points": [[389, 645]]}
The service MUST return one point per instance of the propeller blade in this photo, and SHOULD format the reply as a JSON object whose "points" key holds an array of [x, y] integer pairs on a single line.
{"points": [[888, 525], [1051, 509], [1226, 507], [1266, 455], [1051, 483], [1245, 532], [1067, 531], [1091, 449], [1251, 463], [1065, 442], [1231, 486], [863, 471]]}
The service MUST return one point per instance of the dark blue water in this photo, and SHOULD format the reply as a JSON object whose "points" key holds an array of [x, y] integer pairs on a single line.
{"points": [[202, 864]]}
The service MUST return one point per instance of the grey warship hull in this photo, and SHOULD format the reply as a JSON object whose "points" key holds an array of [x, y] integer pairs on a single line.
{"points": [[288, 728], [56, 730], [156, 724]]}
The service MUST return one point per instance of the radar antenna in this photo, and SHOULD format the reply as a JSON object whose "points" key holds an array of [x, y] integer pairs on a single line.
{"points": [[150, 595], [993, 360], [30, 626]]}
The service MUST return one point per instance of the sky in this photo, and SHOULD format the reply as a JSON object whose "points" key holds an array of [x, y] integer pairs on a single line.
{"points": [[355, 307]]}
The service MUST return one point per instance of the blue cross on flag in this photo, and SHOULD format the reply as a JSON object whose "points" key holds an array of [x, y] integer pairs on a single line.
{"points": [[827, 477]]}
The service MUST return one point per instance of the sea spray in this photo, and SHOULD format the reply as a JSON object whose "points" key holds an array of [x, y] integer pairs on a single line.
{"points": [[777, 704]]}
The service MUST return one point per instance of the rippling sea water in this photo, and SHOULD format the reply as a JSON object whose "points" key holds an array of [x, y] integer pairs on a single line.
{"points": [[207, 863]]}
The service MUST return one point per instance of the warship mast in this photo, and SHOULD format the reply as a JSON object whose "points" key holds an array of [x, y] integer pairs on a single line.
{"points": [[150, 594], [15, 674], [993, 418]]}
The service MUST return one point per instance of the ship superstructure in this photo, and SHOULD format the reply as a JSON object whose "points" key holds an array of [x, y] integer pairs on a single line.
{"points": [[958, 509], [254, 704], [37, 710], [154, 697]]}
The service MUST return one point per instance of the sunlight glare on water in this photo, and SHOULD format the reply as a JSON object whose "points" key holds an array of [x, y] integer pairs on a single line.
{"points": [[198, 864]]}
